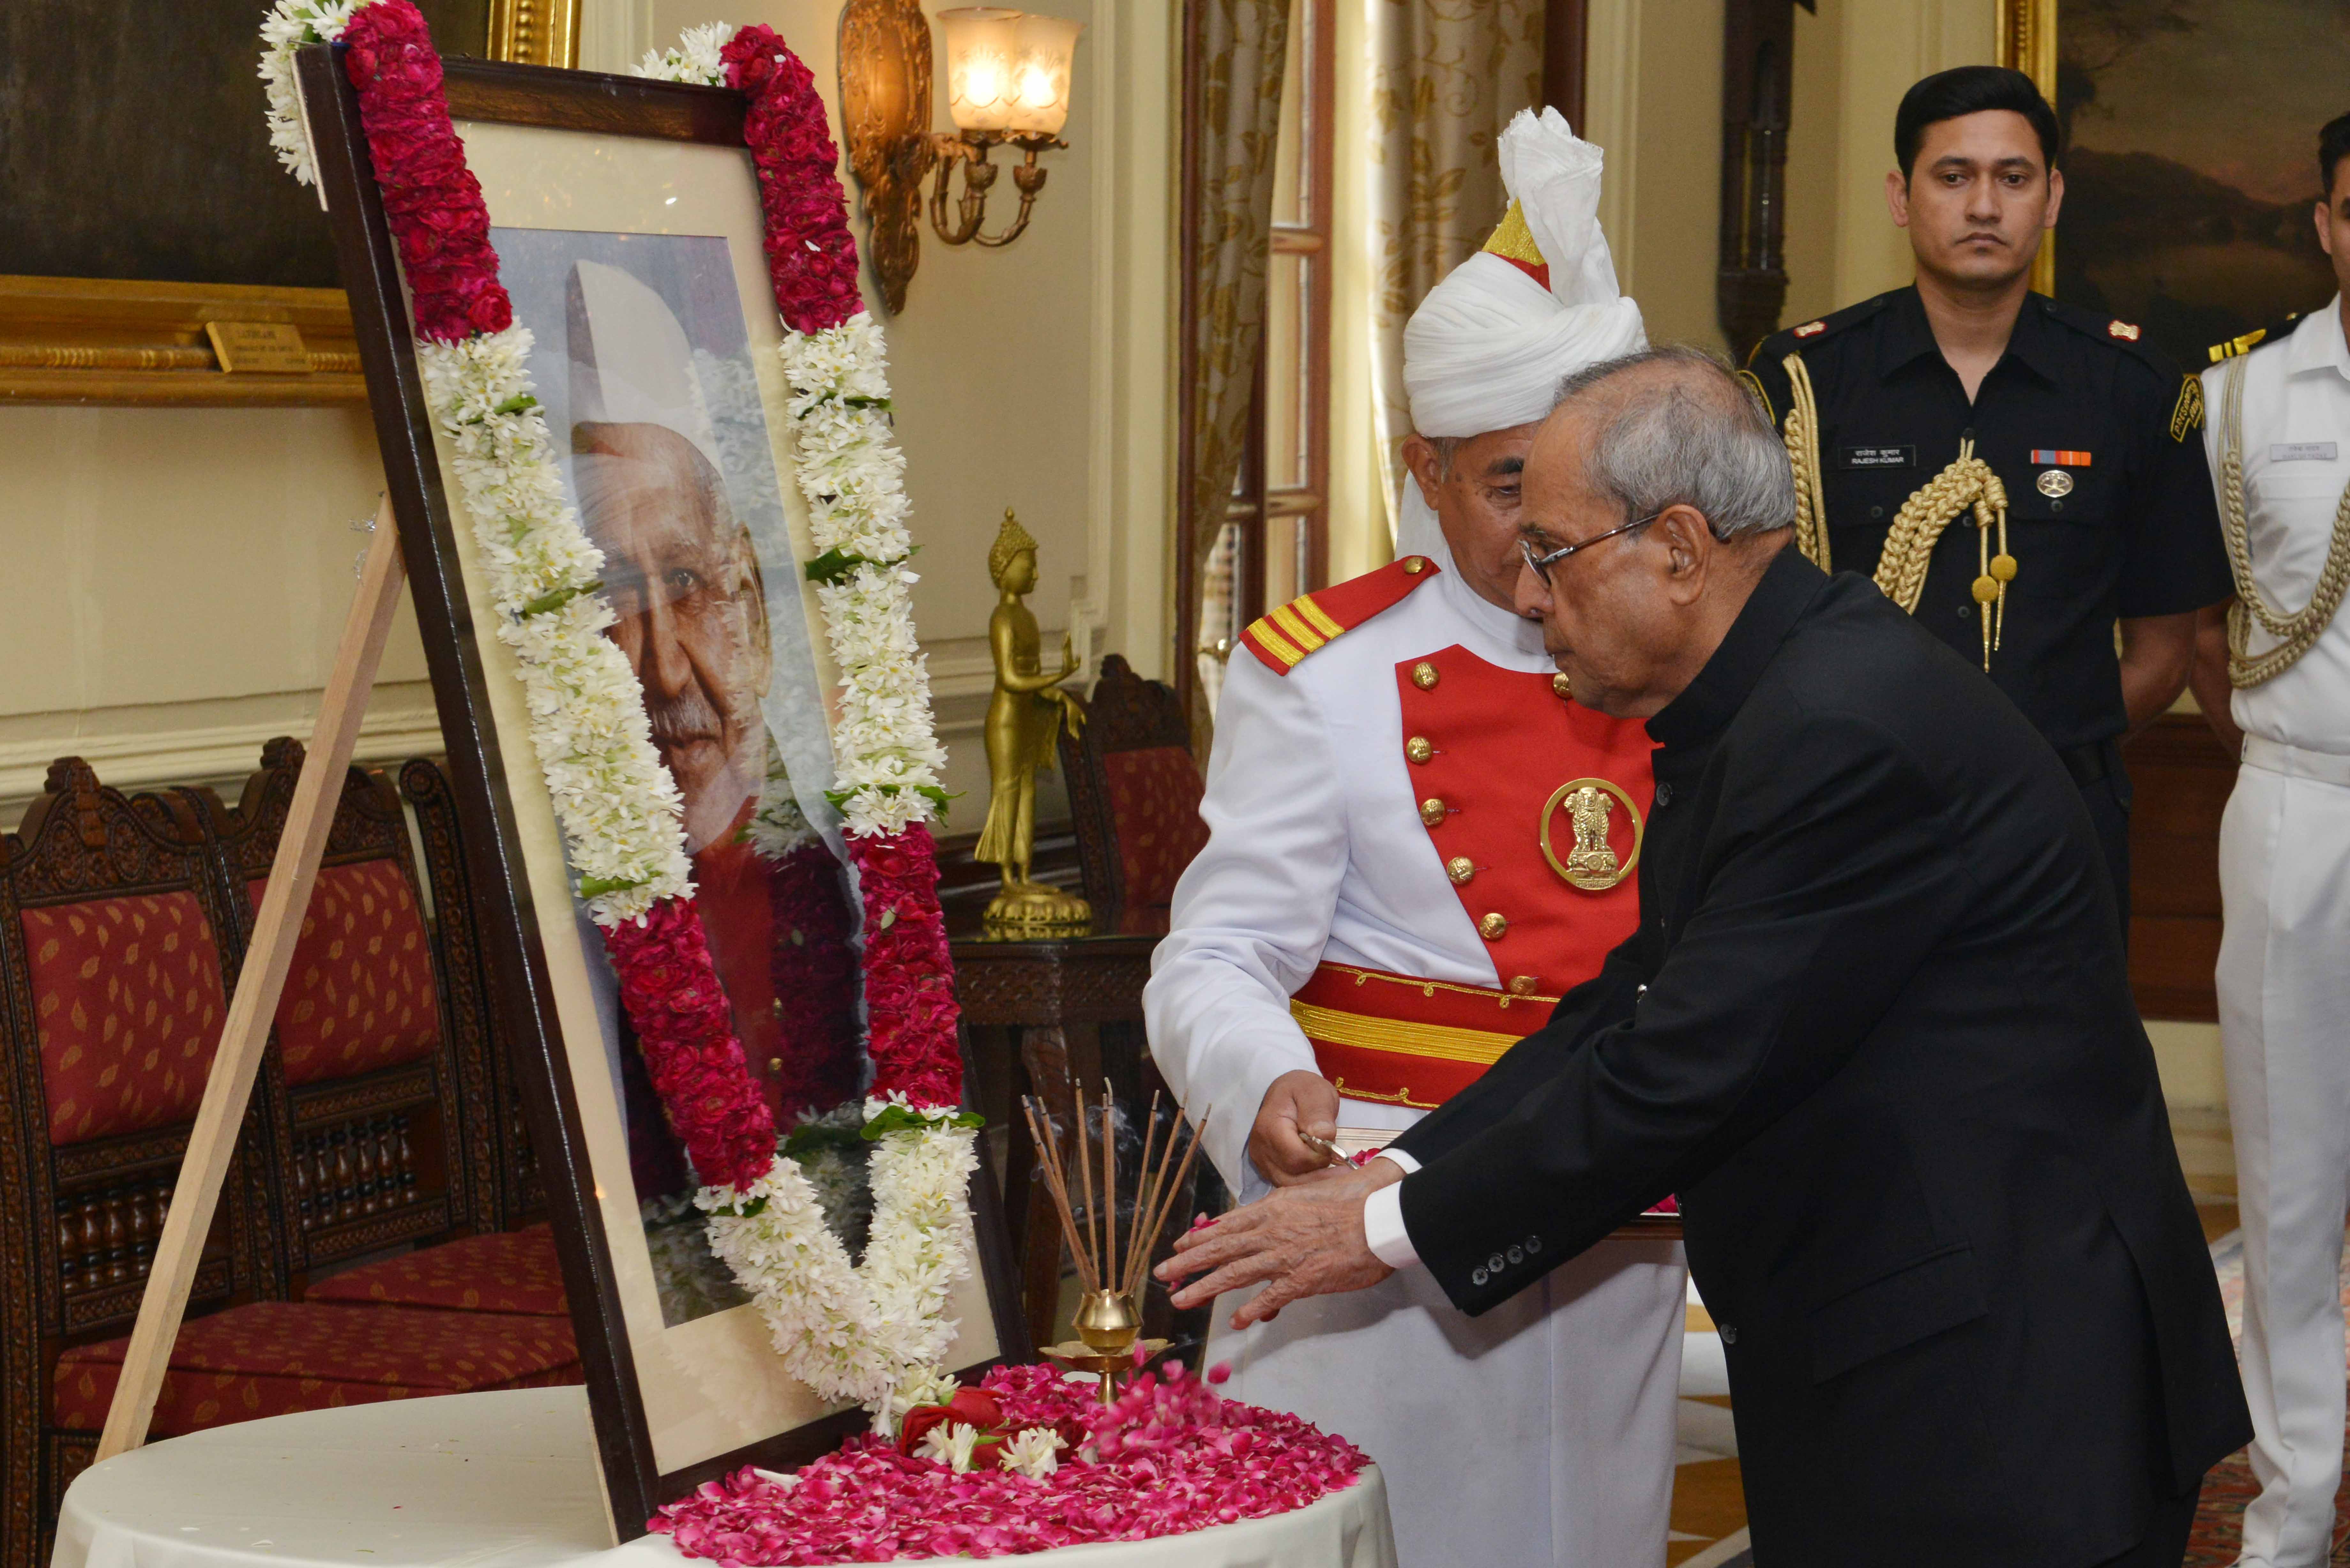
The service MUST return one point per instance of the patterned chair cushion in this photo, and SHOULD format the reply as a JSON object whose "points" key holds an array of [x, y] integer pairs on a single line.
{"points": [[268, 1358], [1154, 798], [359, 995], [128, 1001], [504, 1271]]}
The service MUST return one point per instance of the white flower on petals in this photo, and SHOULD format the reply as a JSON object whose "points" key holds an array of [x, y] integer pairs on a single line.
{"points": [[1034, 1453], [952, 1443]]}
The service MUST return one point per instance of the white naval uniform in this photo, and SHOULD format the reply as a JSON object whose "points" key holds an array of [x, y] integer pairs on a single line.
{"points": [[2284, 956], [1543, 1432]]}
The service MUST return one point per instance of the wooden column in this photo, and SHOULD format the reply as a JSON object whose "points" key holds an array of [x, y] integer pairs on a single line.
{"points": [[1757, 74], [1566, 26]]}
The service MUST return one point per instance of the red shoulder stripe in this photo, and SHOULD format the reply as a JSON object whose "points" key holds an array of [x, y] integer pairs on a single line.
{"points": [[1282, 637]]}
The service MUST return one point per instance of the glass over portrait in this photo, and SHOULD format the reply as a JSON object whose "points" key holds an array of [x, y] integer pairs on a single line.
{"points": [[643, 362]]}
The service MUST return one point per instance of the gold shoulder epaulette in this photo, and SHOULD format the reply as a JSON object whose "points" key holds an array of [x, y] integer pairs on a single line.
{"points": [[1283, 637], [2254, 339]]}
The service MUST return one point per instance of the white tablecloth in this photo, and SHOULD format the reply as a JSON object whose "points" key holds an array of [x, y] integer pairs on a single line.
{"points": [[506, 1480]]}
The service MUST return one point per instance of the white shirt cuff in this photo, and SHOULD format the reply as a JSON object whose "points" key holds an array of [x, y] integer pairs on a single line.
{"points": [[1383, 1225]]}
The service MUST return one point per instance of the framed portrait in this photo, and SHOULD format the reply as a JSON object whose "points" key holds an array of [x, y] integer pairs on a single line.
{"points": [[2190, 167], [626, 218]]}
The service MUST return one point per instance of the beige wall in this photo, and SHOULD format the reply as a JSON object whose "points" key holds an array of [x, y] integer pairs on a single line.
{"points": [[1655, 105], [178, 579], [177, 582]]}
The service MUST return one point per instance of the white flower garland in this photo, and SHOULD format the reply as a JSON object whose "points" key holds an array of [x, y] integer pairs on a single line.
{"points": [[858, 1332], [849, 1332]]}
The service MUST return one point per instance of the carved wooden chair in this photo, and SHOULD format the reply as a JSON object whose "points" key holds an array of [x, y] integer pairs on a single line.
{"points": [[1134, 792], [120, 936], [507, 1191], [386, 1136], [114, 983]]}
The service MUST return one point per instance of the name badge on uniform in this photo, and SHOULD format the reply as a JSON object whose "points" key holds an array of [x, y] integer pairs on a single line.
{"points": [[2303, 452], [1879, 456]]}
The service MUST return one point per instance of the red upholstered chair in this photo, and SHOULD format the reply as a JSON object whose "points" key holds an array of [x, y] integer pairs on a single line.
{"points": [[497, 1272], [1134, 792], [274, 1357], [117, 954], [370, 1096]]}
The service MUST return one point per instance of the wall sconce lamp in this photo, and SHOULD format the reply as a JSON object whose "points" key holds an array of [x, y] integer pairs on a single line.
{"points": [[1007, 83]]}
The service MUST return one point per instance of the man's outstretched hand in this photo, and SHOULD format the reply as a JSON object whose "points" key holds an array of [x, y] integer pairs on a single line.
{"points": [[1304, 1241]]}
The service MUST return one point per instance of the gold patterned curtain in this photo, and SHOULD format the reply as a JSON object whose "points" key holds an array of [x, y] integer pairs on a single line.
{"points": [[1240, 46], [1447, 78]]}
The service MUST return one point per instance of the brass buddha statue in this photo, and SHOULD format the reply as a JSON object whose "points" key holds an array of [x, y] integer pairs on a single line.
{"points": [[1024, 720]]}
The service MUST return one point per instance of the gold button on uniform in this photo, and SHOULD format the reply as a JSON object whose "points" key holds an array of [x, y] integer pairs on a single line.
{"points": [[1459, 868], [1414, 567], [775, 1064], [1418, 748], [1494, 928], [1524, 985], [1431, 810], [1423, 675], [1562, 685]]}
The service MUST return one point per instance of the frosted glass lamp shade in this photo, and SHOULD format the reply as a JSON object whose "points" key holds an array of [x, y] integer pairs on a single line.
{"points": [[982, 65], [1040, 80]]}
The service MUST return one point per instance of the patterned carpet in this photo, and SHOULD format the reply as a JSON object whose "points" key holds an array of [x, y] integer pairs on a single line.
{"points": [[2218, 1523]]}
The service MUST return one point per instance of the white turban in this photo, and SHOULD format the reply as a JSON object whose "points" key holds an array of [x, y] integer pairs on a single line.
{"points": [[1489, 346]]}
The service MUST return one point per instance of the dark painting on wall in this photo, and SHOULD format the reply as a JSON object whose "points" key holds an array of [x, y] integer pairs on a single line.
{"points": [[132, 143], [2191, 169]]}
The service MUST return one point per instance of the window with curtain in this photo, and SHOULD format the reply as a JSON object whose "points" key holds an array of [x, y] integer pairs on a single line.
{"points": [[1275, 541]]}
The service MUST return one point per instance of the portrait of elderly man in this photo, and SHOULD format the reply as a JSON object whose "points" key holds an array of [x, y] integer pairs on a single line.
{"points": [[1874, 1030], [681, 575]]}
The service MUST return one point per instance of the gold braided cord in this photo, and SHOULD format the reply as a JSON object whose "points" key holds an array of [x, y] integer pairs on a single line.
{"points": [[2300, 632], [1802, 438], [1968, 482]]}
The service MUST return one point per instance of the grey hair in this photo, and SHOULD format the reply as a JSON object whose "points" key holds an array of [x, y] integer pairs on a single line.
{"points": [[1694, 437]]}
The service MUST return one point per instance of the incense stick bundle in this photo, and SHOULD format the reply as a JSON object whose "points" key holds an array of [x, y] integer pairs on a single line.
{"points": [[1094, 1242]]}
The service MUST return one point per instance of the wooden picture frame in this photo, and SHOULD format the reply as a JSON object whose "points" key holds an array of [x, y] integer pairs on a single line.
{"points": [[529, 942]]}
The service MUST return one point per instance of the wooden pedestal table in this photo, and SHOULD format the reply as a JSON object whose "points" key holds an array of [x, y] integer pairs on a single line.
{"points": [[508, 1479]]}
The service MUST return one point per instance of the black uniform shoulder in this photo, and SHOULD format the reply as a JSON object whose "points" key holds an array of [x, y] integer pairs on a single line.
{"points": [[2172, 396], [2124, 337], [1765, 374], [2259, 337]]}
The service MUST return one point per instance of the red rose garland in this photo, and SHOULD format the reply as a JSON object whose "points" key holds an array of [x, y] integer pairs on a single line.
{"points": [[812, 260], [669, 986], [430, 199]]}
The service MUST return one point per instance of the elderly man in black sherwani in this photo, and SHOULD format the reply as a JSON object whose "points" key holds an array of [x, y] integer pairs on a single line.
{"points": [[1874, 1030]]}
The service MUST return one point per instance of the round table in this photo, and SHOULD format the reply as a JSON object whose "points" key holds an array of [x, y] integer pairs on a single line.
{"points": [[507, 1479]]}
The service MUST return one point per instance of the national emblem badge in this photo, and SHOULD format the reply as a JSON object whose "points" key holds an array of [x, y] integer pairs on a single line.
{"points": [[1592, 864]]}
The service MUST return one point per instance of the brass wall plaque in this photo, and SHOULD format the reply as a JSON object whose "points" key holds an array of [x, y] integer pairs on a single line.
{"points": [[271, 348]]}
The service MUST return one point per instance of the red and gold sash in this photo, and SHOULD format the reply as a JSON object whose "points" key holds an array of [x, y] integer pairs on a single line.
{"points": [[1406, 1041]]}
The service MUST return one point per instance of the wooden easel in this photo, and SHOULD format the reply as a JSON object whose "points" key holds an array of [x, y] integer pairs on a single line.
{"points": [[212, 1140]]}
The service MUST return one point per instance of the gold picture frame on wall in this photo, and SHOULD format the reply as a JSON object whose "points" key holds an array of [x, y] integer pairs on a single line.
{"points": [[2186, 198], [134, 341], [2027, 43]]}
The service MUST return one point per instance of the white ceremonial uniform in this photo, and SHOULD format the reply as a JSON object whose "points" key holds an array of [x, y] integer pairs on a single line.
{"points": [[2284, 957], [1543, 1432]]}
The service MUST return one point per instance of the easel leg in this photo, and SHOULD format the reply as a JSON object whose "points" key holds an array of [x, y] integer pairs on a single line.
{"points": [[212, 1140]]}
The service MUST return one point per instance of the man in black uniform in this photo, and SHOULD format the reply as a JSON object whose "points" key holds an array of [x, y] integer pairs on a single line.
{"points": [[1911, 417]]}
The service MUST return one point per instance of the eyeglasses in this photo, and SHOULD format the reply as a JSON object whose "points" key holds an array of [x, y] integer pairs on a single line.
{"points": [[1542, 564]]}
